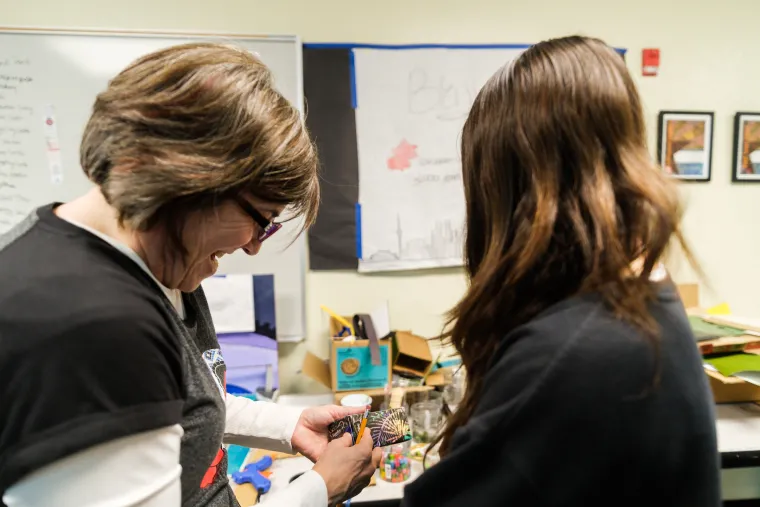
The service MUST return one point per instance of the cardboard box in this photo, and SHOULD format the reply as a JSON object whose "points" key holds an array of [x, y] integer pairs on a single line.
{"points": [[731, 389], [689, 293], [320, 370], [336, 327], [411, 354], [317, 369], [440, 377], [724, 389], [378, 395], [350, 366]]}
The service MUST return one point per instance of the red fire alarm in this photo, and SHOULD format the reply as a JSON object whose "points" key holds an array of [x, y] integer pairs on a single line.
{"points": [[650, 61]]}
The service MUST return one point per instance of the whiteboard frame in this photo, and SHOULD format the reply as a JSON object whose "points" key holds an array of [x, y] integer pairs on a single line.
{"points": [[143, 33], [180, 34]]}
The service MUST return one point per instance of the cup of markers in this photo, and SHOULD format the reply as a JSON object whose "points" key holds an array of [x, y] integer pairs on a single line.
{"points": [[396, 465]]}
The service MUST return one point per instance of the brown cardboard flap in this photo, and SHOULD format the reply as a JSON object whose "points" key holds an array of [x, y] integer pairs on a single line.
{"points": [[719, 377], [246, 494], [436, 379], [317, 369], [411, 354], [689, 293], [731, 389], [413, 372]]}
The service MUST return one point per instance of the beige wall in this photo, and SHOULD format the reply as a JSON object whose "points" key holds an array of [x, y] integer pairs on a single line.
{"points": [[706, 65]]}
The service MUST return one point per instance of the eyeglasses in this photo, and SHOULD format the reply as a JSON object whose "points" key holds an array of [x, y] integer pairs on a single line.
{"points": [[268, 227]]}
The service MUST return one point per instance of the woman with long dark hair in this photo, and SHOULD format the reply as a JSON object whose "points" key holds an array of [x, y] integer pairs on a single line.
{"points": [[585, 386]]}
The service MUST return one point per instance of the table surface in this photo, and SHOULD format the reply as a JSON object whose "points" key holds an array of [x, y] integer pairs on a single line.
{"points": [[283, 470], [737, 425]]}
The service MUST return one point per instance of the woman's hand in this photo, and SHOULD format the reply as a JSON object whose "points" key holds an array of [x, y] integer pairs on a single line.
{"points": [[347, 469], [310, 436]]}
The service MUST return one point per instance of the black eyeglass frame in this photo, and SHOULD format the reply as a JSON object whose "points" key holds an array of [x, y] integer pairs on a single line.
{"points": [[268, 227]]}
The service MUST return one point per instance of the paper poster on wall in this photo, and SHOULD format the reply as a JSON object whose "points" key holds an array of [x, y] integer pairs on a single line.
{"points": [[230, 299], [411, 105], [247, 330]]}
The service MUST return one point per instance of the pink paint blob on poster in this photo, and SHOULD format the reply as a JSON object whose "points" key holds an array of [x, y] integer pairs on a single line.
{"points": [[402, 156]]}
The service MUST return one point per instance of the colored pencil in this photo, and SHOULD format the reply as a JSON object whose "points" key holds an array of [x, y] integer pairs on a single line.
{"points": [[362, 425]]}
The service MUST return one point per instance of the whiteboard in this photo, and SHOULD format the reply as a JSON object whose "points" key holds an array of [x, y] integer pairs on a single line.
{"points": [[48, 83]]}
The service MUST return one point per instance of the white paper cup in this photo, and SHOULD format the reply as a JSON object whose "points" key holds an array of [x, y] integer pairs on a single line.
{"points": [[356, 400]]}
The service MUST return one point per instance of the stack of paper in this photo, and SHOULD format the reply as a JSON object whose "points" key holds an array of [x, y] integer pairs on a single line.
{"points": [[721, 335], [729, 346]]}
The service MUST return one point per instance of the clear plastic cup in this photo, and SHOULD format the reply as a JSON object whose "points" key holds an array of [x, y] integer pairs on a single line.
{"points": [[426, 418], [396, 466]]}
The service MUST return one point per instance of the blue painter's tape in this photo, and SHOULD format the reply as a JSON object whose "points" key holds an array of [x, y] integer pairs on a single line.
{"points": [[352, 73], [358, 210]]}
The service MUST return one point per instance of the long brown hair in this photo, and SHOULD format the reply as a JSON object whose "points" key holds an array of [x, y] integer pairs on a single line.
{"points": [[562, 196]]}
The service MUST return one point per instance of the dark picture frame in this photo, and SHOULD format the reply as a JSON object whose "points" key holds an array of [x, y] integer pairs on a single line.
{"points": [[685, 144], [746, 144]]}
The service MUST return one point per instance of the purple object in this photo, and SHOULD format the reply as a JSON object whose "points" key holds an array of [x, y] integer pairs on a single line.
{"points": [[249, 355]]}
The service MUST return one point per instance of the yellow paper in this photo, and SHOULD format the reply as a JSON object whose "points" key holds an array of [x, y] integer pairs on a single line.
{"points": [[721, 309], [338, 318]]}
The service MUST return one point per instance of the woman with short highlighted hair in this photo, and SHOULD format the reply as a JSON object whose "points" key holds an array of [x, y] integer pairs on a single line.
{"points": [[111, 379]]}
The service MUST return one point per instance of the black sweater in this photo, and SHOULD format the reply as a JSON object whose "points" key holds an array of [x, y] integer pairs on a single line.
{"points": [[565, 418]]}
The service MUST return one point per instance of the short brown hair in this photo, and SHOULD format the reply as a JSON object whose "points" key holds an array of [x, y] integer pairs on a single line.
{"points": [[562, 197], [188, 125]]}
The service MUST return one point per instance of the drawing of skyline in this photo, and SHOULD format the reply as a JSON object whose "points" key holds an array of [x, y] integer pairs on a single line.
{"points": [[445, 241]]}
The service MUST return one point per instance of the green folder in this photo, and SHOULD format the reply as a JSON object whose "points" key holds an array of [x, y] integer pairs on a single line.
{"points": [[731, 364], [704, 330]]}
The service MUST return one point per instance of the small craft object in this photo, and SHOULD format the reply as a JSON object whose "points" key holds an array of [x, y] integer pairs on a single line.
{"points": [[395, 466], [387, 427]]}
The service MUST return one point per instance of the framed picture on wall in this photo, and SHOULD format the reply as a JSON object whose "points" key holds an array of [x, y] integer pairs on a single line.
{"points": [[746, 166], [684, 144]]}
